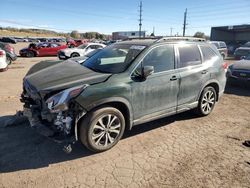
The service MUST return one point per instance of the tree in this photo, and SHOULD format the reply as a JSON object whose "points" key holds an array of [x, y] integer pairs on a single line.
{"points": [[200, 35], [75, 34]]}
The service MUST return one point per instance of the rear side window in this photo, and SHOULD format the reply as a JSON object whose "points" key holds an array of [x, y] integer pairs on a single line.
{"points": [[207, 53], [189, 55], [161, 58]]}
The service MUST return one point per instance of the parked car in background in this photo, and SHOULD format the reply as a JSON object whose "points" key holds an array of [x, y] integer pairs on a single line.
{"points": [[239, 71], [222, 48], [125, 84], [8, 40], [72, 43], [10, 52], [3, 63], [41, 49], [241, 52], [82, 59], [247, 44], [79, 51]]}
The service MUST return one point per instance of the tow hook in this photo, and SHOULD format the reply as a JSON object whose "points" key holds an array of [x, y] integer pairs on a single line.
{"points": [[67, 148]]}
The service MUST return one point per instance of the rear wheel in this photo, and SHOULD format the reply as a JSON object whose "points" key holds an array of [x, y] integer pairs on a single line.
{"points": [[101, 129], [75, 55], [207, 101], [30, 54]]}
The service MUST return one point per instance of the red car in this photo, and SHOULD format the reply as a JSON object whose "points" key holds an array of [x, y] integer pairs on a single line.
{"points": [[41, 49], [76, 42]]}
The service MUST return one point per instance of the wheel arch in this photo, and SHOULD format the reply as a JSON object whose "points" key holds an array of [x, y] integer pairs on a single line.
{"points": [[121, 104], [74, 53], [213, 84]]}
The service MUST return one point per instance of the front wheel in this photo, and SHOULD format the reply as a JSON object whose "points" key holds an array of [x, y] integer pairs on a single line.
{"points": [[101, 129], [207, 101]]}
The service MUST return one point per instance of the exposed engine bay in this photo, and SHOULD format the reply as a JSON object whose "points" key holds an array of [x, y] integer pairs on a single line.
{"points": [[53, 115]]}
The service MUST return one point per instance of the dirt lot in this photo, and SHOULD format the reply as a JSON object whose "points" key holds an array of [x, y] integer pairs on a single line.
{"points": [[179, 151]]}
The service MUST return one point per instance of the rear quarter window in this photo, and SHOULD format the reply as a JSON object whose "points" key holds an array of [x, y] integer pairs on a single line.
{"points": [[207, 53]]}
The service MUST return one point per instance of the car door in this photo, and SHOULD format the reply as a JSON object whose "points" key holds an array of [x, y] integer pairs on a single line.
{"points": [[157, 94], [54, 47], [43, 49], [193, 75]]}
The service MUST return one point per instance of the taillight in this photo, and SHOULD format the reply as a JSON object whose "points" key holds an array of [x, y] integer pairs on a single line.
{"points": [[9, 48], [1, 53], [224, 65]]}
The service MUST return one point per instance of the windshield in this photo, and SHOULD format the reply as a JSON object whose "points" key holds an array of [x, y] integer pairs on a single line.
{"points": [[114, 59], [82, 46]]}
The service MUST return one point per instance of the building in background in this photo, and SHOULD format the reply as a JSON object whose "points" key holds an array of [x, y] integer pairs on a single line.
{"points": [[234, 36], [120, 35]]}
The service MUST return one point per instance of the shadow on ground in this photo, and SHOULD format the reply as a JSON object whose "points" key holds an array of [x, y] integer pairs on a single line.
{"points": [[238, 88], [22, 148]]}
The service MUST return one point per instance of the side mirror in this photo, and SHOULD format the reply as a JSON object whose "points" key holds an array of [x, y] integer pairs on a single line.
{"points": [[243, 57], [147, 70]]}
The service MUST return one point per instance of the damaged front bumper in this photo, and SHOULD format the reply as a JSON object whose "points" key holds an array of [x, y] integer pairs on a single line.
{"points": [[61, 126]]}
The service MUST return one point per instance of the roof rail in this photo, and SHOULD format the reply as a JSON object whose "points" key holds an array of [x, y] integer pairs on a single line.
{"points": [[180, 38], [141, 38]]}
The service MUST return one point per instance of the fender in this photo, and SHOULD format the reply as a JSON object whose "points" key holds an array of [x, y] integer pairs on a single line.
{"points": [[213, 81], [113, 100], [103, 102]]}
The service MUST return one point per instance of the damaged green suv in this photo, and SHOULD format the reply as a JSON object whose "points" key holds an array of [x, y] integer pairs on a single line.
{"points": [[123, 85]]}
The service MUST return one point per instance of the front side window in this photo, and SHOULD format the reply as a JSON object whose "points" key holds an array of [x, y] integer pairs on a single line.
{"points": [[189, 55], [114, 58], [161, 58]]}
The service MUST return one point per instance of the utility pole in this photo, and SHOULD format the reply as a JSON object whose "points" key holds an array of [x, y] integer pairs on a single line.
{"points": [[140, 19], [185, 22], [171, 31]]}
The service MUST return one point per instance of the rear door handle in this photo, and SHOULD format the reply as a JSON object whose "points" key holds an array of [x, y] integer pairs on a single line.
{"points": [[173, 78], [204, 72]]}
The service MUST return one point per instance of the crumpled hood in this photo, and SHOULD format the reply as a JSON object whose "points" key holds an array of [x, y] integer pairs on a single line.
{"points": [[64, 75], [242, 64]]}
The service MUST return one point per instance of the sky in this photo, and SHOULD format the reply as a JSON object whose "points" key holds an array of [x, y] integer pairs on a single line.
{"points": [[107, 16]]}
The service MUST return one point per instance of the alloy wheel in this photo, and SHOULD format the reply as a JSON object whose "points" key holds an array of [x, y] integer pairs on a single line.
{"points": [[106, 130], [208, 102]]}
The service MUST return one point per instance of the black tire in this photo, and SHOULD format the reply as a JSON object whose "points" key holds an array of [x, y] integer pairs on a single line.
{"points": [[75, 54], [205, 108], [8, 60], [90, 125], [30, 54]]}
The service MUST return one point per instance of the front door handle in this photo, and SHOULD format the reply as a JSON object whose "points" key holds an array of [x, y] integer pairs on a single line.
{"points": [[173, 78], [204, 72]]}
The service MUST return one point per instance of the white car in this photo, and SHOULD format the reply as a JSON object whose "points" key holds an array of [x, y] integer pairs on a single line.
{"points": [[79, 51], [3, 62]]}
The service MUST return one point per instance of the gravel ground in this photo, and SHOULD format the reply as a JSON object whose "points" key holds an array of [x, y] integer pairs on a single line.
{"points": [[178, 151]]}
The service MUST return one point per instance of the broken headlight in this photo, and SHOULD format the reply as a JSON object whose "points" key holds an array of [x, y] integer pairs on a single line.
{"points": [[59, 101]]}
